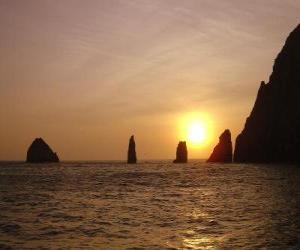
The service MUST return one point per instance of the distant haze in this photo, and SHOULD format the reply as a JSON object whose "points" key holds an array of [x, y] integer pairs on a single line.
{"points": [[86, 75]]}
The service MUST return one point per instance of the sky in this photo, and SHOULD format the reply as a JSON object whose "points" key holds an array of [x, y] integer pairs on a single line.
{"points": [[86, 75]]}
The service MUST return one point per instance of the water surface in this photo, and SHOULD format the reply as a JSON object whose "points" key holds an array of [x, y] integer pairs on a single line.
{"points": [[151, 205]]}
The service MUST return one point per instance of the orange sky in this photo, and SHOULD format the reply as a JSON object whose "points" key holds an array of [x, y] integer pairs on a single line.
{"points": [[87, 75]]}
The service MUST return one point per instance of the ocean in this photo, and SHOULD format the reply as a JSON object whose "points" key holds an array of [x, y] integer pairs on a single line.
{"points": [[150, 205]]}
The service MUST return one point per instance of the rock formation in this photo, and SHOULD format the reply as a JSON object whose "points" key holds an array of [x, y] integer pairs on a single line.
{"points": [[39, 152], [181, 153], [223, 151], [272, 131], [131, 158]]}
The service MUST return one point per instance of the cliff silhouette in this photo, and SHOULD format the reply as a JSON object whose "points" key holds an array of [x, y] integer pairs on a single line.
{"points": [[39, 152], [272, 131], [222, 153]]}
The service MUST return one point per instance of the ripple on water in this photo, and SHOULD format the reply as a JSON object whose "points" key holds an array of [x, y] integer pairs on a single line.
{"points": [[10, 228], [5, 247]]}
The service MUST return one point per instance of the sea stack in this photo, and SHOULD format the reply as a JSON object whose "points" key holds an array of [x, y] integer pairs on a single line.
{"points": [[181, 153], [272, 131], [39, 152], [131, 158], [222, 153]]}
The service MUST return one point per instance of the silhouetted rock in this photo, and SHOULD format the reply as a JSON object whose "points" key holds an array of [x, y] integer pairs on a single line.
{"points": [[39, 152], [223, 151], [181, 153], [131, 151], [272, 131]]}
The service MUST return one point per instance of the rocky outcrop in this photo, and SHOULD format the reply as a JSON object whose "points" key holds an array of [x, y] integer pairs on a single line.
{"points": [[223, 151], [39, 152], [131, 158], [181, 153], [272, 131]]}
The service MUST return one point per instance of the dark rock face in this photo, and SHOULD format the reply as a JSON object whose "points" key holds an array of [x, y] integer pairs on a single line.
{"points": [[181, 153], [131, 158], [272, 131], [40, 152], [223, 151]]}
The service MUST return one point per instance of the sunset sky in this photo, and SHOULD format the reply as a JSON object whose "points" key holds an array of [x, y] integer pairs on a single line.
{"points": [[85, 75]]}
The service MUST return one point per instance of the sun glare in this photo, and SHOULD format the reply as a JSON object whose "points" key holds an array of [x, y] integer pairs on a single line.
{"points": [[196, 133], [196, 129]]}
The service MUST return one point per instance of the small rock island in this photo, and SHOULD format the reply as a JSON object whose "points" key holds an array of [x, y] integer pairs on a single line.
{"points": [[40, 152], [272, 131], [222, 153], [131, 157], [181, 153]]}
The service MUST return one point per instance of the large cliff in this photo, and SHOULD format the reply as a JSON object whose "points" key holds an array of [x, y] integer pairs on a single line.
{"points": [[272, 131]]}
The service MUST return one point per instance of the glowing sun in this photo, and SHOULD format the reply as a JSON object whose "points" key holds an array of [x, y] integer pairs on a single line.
{"points": [[196, 129], [196, 133]]}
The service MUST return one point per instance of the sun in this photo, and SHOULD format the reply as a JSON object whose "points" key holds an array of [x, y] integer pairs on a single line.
{"points": [[196, 133], [195, 129]]}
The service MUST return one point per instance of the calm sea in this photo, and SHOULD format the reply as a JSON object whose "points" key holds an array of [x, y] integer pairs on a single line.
{"points": [[151, 205]]}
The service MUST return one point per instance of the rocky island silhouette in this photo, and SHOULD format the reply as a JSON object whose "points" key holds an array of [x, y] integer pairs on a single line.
{"points": [[222, 153], [40, 152], [181, 153], [131, 157]]}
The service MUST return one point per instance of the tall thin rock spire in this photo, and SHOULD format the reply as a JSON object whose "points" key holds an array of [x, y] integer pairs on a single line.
{"points": [[131, 158]]}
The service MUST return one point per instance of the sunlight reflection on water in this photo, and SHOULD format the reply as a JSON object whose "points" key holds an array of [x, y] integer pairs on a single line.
{"points": [[198, 242]]}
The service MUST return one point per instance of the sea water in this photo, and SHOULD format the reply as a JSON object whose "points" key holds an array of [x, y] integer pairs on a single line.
{"points": [[150, 205]]}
